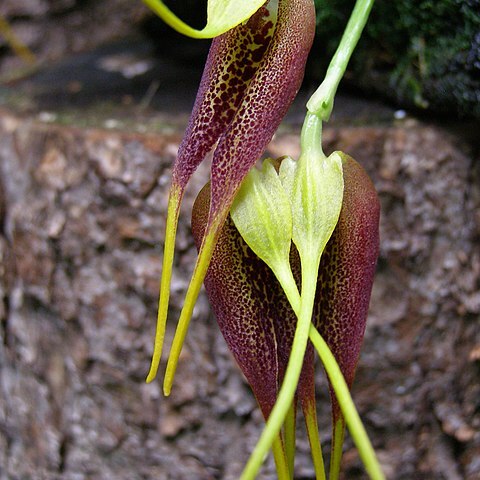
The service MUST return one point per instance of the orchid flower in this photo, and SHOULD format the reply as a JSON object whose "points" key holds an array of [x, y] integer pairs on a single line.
{"points": [[315, 227], [287, 252], [257, 319], [252, 75]]}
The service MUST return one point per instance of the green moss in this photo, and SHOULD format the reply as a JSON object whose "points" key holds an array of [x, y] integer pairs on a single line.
{"points": [[418, 52]]}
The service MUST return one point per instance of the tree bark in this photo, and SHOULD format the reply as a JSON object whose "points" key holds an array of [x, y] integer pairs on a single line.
{"points": [[83, 213]]}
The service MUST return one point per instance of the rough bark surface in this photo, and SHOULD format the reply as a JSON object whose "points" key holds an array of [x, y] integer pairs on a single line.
{"points": [[83, 213]]}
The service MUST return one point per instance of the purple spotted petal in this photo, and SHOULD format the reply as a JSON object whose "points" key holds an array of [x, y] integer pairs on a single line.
{"points": [[346, 271], [266, 100], [252, 311], [232, 61], [252, 75]]}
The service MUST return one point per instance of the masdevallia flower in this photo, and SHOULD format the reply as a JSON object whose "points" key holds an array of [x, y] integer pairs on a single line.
{"points": [[257, 319], [252, 75], [295, 259]]}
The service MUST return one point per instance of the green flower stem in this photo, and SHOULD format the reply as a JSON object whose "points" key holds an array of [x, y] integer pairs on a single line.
{"points": [[289, 286], [284, 275], [339, 385], [321, 102], [292, 374], [311, 136], [352, 419]]}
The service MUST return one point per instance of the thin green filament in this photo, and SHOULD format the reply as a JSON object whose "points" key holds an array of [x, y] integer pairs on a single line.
{"points": [[337, 449], [314, 439], [290, 437], [281, 463]]}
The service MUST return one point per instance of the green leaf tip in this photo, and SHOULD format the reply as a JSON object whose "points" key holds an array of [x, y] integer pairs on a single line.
{"points": [[222, 15]]}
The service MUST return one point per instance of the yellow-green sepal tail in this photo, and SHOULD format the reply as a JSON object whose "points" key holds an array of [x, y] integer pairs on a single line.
{"points": [[222, 15], [173, 210], [199, 272], [310, 414], [281, 463], [290, 436], [337, 448]]}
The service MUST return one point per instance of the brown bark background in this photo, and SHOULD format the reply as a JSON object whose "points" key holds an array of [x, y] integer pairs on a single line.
{"points": [[83, 219]]}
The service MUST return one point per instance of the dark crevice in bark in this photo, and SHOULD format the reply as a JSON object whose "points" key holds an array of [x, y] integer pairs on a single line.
{"points": [[63, 453], [4, 320]]}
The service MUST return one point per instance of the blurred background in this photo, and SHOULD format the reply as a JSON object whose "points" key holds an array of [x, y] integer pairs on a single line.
{"points": [[416, 54], [94, 98]]}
